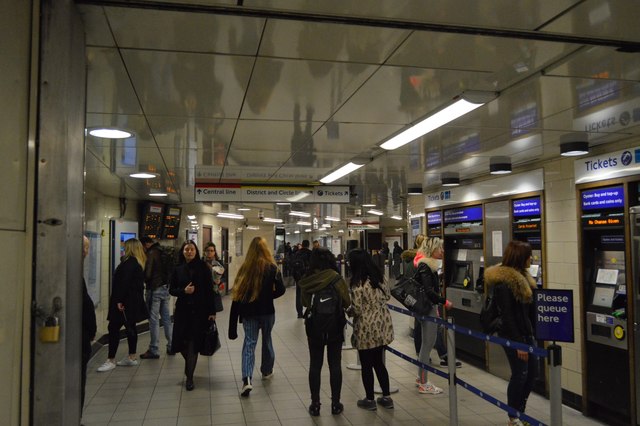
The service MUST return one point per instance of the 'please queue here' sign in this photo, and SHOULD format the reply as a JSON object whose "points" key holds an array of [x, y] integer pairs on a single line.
{"points": [[554, 315]]}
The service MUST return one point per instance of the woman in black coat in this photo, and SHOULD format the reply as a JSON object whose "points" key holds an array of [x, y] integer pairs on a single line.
{"points": [[513, 292], [192, 284], [126, 305]]}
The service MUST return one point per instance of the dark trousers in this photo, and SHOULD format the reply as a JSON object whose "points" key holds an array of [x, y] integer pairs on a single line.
{"points": [[86, 355], [373, 360], [298, 301], [114, 335], [190, 356], [316, 358], [523, 374]]}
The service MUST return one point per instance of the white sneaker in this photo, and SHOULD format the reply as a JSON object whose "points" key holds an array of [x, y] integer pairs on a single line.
{"points": [[107, 366], [127, 362], [515, 422], [429, 388]]}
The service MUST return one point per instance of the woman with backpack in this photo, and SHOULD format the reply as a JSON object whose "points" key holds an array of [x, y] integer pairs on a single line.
{"points": [[326, 296], [372, 325], [257, 283], [512, 287]]}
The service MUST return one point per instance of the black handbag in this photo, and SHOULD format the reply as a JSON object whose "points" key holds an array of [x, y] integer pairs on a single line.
{"points": [[217, 302], [211, 340], [411, 294]]}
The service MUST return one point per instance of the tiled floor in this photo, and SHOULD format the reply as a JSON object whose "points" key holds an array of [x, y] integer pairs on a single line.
{"points": [[153, 393]]}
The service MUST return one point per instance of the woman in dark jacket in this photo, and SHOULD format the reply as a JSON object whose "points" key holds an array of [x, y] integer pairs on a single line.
{"points": [[191, 283], [126, 305], [513, 292], [427, 262], [322, 273], [257, 283]]}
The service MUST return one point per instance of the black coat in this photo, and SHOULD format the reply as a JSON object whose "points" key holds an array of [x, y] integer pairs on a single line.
{"points": [[128, 289], [89, 326], [192, 311], [272, 288], [430, 281]]}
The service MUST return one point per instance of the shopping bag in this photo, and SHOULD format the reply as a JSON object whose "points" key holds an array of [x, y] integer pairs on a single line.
{"points": [[211, 340]]}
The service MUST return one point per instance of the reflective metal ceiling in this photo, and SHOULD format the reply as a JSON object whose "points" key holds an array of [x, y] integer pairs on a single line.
{"points": [[291, 90]]}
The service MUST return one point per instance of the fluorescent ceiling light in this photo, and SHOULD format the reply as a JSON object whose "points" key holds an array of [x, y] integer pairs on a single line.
{"points": [[272, 220], [191, 216], [303, 223], [253, 228], [158, 194], [299, 214], [431, 123], [342, 171], [332, 219], [341, 231], [227, 215], [307, 230], [356, 221], [144, 175], [368, 205], [288, 233], [376, 212], [296, 231], [283, 204], [396, 217], [243, 209], [194, 221], [110, 133]]}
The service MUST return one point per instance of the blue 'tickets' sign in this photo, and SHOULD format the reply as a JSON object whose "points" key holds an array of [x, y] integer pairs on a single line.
{"points": [[603, 198], [554, 315], [467, 214]]}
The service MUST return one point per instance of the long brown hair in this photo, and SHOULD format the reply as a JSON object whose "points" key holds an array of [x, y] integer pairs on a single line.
{"points": [[249, 278], [516, 255]]}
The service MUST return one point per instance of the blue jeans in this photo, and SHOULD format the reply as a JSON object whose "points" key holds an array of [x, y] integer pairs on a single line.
{"points": [[523, 374], [251, 326], [158, 304]]}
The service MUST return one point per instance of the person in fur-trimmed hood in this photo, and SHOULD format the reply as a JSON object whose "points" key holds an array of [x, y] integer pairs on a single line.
{"points": [[513, 292]]}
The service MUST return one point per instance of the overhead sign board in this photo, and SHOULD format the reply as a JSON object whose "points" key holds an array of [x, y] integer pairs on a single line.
{"points": [[208, 173], [608, 166], [224, 193]]}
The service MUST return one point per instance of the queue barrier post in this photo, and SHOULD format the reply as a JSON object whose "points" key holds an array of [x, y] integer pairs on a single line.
{"points": [[555, 385], [451, 361]]}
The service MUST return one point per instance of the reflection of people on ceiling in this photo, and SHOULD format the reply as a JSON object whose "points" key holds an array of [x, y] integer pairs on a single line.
{"points": [[267, 70], [302, 141], [324, 41]]}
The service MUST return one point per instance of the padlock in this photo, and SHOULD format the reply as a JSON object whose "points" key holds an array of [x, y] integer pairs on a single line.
{"points": [[50, 332]]}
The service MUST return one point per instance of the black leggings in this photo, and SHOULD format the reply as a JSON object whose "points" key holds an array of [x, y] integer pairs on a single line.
{"points": [[316, 358], [190, 356], [373, 359], [114, 335]]}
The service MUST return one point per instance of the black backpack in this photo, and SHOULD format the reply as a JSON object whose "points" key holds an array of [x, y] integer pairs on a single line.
{"points": [[324, 319], [300, 264], [490, 315]]}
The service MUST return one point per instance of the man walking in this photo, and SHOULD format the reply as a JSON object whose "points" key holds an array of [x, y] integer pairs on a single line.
{"points": [[158, 298], [299, 268]]}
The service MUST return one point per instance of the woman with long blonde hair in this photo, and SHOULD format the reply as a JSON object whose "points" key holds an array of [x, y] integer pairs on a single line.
{"points": [[257, 283], [126, 305]]}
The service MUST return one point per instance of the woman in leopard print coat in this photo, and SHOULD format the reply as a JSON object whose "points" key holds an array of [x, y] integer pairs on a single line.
{"points": [[372, 325]]}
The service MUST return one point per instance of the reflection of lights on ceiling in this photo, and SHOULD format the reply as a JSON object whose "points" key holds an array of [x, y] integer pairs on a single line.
{"points": [[296, 232], [299, 214], [341, 231], [303, 223], [283, 204], [332, 219], [396, 217], [356, 221], [272, 220], [307, 230], [227, 215], [342, 171], [376, 212], [368, 205], [191, 216], [299, 196], [144, 175], [110, 133], [243, 209], [158, 194], [253, 228]]}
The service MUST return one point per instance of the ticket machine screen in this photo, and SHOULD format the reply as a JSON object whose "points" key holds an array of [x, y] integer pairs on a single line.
{"points": [[603, 296], [462, 275]]}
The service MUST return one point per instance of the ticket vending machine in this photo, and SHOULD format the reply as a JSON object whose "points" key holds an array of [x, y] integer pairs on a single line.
{"points": [[634, 224], [463, 274], [604, 287]]}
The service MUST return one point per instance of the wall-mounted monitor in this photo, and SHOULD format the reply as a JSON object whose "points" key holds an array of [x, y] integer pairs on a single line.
{"points": [[171, 222]]}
